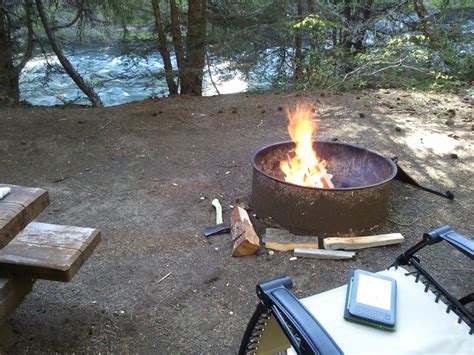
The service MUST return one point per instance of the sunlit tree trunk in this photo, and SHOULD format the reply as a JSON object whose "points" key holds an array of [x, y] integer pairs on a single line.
{"points": [[9, 75], [163, 47], [195, 47], [75, 76]]}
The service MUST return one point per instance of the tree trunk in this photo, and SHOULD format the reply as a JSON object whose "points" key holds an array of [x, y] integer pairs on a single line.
{"points": [[178, 43], [163, 47], [428, 28], [366, 13], [346, 35], [9, 76], [29, 41], [195, 47], [357, 23], [86, 89], [298, 59]]}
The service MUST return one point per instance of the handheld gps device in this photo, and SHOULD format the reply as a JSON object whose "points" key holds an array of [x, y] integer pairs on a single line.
{"points": [[371, 299]]}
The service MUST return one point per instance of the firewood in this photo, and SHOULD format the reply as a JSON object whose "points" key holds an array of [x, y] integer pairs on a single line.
{"points": [[289, 246], [245, 240], [354, 243], [283, 240], [323, 254]]}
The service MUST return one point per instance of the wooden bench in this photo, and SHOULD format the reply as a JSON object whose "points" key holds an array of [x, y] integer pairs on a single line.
{"points": [[12, 293], [19, 208], [48, 251], [31, 250]]}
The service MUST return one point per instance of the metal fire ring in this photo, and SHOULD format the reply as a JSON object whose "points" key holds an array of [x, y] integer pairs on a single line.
{"points": [[358, 203]]}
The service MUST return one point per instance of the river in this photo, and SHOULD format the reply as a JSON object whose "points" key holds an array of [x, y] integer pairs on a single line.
{"points": [[117, 78]]}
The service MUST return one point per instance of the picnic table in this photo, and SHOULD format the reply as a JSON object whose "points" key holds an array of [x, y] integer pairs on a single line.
{"points": [[31, 250]]}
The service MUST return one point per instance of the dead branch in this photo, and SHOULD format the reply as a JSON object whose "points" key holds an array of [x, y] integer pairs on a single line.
{"points": [[210, 74], [389, 65]]}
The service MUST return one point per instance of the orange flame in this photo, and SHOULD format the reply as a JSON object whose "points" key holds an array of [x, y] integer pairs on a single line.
{"points": [[304, 168]]}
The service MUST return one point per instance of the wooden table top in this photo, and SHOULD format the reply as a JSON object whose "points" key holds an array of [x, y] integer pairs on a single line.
{"points": [[18, 209]]}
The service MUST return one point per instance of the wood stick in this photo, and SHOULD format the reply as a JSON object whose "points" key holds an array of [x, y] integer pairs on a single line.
{"points": [[164, 277], [246, 241], [290, 246], [325, 177], [355, 243], [323, 254], [283, 240]]}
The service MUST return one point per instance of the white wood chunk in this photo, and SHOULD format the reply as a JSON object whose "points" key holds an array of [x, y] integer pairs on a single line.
{"points": [[323, 254]]}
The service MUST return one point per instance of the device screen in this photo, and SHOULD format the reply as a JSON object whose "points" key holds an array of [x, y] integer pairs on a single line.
{"points": [[374, 292]]}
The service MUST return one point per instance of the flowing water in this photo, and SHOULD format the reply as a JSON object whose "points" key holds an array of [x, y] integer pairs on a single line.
{"points": [[116, 77]]}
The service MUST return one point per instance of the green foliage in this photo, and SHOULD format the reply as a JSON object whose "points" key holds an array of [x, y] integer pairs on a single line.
{"points": [[139, 36], [250, 34], [407, 58], [441, 4], [125, 12], [312, 23]]}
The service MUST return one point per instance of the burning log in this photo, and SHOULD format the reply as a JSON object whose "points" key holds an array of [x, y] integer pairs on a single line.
{"points": [[304, 167], [246, 241], [363, 242]]}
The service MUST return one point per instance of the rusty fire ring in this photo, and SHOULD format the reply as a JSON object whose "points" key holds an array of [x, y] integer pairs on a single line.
{"points": [[358, 204]]}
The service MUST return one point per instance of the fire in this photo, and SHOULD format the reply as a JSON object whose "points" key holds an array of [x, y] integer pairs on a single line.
{"points": [[304, 168]]}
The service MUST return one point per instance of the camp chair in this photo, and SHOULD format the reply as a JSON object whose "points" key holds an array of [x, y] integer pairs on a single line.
{"points": [[282, 324]]}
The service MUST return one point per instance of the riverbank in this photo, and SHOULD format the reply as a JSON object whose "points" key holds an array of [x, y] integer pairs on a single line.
{"points": [[145, 174]]}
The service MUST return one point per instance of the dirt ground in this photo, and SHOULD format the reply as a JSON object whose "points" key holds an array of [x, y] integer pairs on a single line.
{"points": [[145, 175]]}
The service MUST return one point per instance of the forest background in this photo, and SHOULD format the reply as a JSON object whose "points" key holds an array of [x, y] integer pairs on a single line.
{"points": [[332, 44]]}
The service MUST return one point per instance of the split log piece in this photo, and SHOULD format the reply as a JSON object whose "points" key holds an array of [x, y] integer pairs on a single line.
{"points": [[245, 240], [355, 243], [323, 254], [283, 240]]}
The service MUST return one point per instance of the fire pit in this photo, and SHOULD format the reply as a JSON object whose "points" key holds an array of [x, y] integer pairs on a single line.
{"points": [[356, 204]]}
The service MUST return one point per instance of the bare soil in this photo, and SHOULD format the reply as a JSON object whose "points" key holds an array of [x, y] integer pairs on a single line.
{"points": [[145, 174]]}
